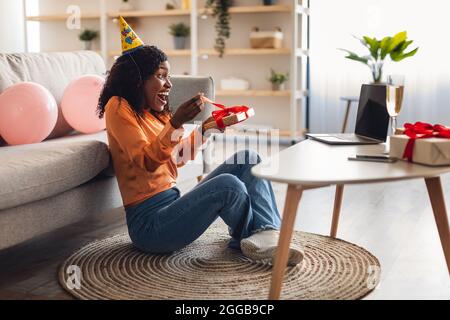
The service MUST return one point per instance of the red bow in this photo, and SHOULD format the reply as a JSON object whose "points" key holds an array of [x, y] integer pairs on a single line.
{"points": [[218, 115], [422, 130]]}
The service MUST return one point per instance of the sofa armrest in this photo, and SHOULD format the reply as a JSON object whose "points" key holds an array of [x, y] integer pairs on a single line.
{"points": [[185, 87]]}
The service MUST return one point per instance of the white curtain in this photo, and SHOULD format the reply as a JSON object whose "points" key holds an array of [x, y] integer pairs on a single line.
{"points": [[427, 74], [11, 26]]}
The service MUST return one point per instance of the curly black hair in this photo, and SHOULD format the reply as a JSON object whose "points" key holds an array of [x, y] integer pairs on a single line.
{"points": [[126, 78]]}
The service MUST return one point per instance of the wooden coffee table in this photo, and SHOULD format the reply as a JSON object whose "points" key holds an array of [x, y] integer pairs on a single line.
{"points": [[311, 164]]}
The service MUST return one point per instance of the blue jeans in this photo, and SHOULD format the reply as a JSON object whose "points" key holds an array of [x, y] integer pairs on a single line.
{"points": [[167, 222]]}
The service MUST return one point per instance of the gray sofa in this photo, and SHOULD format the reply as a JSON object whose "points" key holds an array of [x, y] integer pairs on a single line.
{"points": [[48, 185]]}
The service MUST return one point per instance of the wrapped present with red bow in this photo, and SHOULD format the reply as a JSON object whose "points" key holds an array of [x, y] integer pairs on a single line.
{"points": [[422, 143], [227, 116]]}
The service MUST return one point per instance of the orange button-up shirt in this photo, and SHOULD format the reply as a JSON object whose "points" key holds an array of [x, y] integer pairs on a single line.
{"points": [[146, 151]]}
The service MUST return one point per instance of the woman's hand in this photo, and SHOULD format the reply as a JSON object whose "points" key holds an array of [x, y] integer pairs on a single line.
{"points": [[187, 111]]}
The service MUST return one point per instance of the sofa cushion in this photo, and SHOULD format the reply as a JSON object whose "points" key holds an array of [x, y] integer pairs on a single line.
{"points": [[37, 171]]}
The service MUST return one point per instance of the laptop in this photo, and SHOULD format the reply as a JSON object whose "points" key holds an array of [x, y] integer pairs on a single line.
{"points": [[372, 120]]}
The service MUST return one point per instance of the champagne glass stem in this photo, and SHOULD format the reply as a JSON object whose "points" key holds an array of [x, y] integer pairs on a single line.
{"points": [[393, 124]]}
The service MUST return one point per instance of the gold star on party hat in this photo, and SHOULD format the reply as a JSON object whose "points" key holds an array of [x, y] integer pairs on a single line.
{"points": [[130, 41]]}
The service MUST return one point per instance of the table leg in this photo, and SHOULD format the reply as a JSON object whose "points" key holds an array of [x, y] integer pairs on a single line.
{"points": [[347, 111], [440, 214], [336, 209], [294, 193]]}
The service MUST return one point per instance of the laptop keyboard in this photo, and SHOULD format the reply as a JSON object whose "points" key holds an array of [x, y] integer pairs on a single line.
{"points": [[350, 137]]}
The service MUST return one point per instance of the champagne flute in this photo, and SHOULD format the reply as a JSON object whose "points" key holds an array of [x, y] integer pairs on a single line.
{"points": [[394, 98]]}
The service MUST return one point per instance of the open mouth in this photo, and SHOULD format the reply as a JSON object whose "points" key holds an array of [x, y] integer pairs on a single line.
{"points": [[163, 96]]}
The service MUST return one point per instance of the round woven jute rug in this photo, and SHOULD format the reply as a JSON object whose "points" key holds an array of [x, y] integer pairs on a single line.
{"points": [[113, 268]]}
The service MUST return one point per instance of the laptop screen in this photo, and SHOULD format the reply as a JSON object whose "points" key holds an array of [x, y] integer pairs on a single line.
{"points": [[372, 119]]}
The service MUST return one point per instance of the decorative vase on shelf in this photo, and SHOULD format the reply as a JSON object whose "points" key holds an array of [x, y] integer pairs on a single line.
{"points": [[179, 43], [278, 86], [87, 36], [278, 80], [180, 31], [87, 45]]}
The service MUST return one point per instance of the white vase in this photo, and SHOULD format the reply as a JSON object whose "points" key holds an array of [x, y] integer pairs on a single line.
{"points": [[179, 43], [278, 86], [87, 45]]}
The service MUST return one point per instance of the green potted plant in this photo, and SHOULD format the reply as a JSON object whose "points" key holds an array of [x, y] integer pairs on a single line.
{"points": [[379, 50], [179, 31], [278, 80], [87, 36], [220, 12]]}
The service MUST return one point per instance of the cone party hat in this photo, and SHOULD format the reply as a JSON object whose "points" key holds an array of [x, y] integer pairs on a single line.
{"points": [[130, 41]]}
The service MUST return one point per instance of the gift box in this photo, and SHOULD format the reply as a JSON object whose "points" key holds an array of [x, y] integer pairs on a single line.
{"points": [[227, 116], [232, 119], [422, 143], [402, 130]]}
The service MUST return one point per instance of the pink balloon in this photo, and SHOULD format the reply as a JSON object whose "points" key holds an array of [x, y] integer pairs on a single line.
{"points": [[28, 113], [79, 104]]}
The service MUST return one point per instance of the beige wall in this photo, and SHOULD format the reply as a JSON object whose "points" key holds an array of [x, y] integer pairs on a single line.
{"points": [[12, 26]]}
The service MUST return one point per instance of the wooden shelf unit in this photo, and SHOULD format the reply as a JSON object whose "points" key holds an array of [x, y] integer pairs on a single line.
{"points": [[245, 51], [201, 11], [292, 9], [261, 9], [165, 13], [149, 13], [252, 93], [61, 17], [173, 53], [260, 93], [212, 52]]}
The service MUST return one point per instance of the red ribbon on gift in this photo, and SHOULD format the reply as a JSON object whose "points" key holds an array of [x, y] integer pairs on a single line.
{"points": [[218, 115], [422, 130]]}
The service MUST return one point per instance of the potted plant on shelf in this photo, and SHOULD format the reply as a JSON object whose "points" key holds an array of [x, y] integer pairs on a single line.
{"points": [[278, 80], [220, 12], [379, 50], [180, 32], [87, 36]]}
